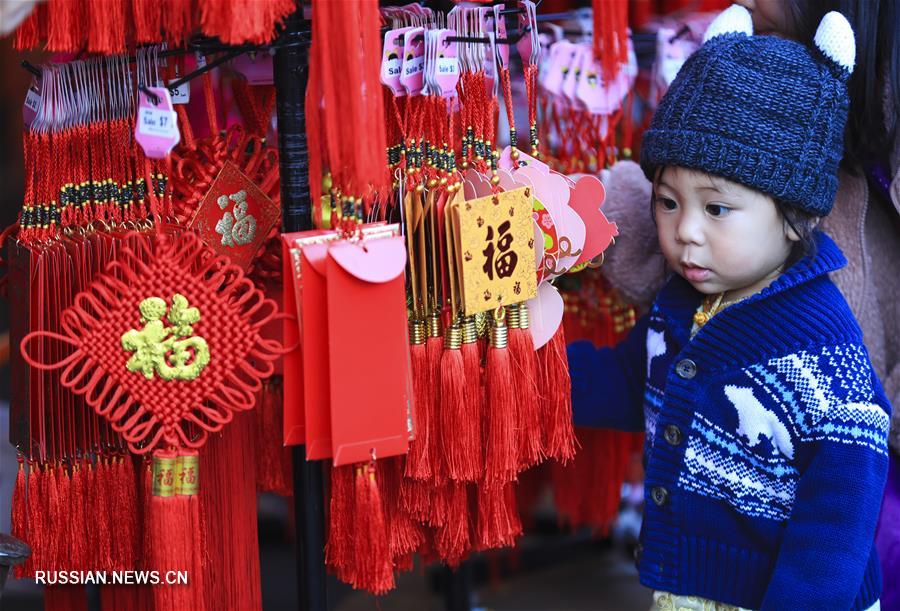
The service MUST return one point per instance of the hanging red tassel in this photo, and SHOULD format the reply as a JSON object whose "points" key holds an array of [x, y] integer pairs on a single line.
{"points": [[273, 464], [434, 348], [502, 452], [338, 549], [19, 517], [553, 367], [170, 524], [371, 548], [453, 540], [51, 519], [65, 29], [405, 533], [78, 543], [419, 461], [147, 16], [521, 349], [498, 516], [459, 444]]}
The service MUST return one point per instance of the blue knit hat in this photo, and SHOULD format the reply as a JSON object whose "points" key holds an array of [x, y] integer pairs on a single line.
{"points": [[762, 111]]}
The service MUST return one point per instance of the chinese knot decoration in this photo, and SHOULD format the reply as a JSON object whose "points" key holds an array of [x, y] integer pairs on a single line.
{"points": [[166, 343]]}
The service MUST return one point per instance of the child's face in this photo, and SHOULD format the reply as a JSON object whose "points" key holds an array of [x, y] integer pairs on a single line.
{"points": [[719, 235]]}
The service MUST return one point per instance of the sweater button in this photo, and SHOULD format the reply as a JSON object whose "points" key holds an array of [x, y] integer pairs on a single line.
{"points": [[659, 495], [686, 368], [673, 435]]}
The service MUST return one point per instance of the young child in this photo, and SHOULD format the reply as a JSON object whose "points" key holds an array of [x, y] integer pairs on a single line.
{"points": [[766, 427]]}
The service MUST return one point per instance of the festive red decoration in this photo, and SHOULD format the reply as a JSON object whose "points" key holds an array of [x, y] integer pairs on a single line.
{"points": [[139, 378], [107, 26]]}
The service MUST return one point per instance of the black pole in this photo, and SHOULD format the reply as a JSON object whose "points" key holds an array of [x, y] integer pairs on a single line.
{"points": [[291, 71]]}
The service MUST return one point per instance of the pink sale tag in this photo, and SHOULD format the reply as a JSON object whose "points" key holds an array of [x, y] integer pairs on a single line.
{"points": [[156, 129]]}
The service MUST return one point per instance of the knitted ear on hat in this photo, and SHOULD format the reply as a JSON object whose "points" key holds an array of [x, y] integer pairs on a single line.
{"points": [[733, 20], [834, 38]]}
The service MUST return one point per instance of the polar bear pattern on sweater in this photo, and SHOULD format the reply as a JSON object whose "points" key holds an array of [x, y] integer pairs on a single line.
{"points": [[755, 421]]}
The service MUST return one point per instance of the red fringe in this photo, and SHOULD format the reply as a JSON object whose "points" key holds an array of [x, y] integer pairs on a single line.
{"points": [[529, 431], [419, 462], [19, 517], [501, 454], [371, 548], [553, 367], [460, 439], [453, 541], [498, 517]]}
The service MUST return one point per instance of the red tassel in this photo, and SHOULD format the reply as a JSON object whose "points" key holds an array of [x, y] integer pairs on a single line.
{"points": [[471, 430], [147, 15], [65, 28], [405, 533], [19, 517], [424, 500], [434, 350], [171, 534], [502, 453], [338, 549], [375, 568], [28, 34], [78, 543], [102, 512], [453, 540], [35, 513], [273, 465], [498, 517], [553, 366], [132, 530], [458, 441], [521, 349], [418, 463], [51, 519], [62, 524]]}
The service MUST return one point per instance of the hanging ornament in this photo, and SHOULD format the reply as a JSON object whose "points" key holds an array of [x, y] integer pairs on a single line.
{"points": [[163, 315]]}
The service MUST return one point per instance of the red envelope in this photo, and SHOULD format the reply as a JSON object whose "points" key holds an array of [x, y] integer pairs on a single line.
{"points": [[314, 330], [368, 350], [297, 378], [294, 426]]}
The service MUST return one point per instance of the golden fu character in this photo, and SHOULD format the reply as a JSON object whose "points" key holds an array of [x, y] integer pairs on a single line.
{"points": [[161, 349]]}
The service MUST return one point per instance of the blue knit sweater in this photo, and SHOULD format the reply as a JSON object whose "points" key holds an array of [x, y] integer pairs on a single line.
{"points": [[766, 442]]}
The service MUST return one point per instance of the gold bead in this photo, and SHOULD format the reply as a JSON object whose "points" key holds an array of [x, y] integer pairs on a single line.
{"points": [[432, 183], [514, 154], [495, 180], [420, 188]]}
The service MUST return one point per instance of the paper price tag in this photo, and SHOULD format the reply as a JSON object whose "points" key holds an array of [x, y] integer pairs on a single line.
{"points": [[160, 123], [180, 95], [413, 78], [32, 103], [156, 128]]}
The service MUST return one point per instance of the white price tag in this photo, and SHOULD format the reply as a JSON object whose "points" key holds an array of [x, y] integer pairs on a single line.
{"points": [[181, 95], [32, 100], [159, 123], [447, 66]]}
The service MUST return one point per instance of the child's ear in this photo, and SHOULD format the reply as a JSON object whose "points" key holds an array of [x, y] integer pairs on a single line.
{"points": [[792, 234]]}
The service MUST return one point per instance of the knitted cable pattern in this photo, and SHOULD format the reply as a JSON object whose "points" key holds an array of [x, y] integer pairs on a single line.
{"points": [[166, 343]]}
